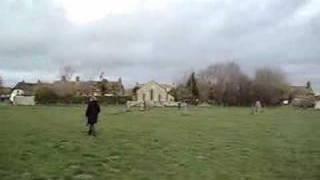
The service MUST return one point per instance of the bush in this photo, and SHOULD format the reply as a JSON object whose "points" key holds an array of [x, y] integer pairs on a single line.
{"points": [[114, 99], [45, 95]]}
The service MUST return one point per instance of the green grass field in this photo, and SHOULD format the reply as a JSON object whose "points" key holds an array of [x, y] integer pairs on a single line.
{"points": [[204, 143]]}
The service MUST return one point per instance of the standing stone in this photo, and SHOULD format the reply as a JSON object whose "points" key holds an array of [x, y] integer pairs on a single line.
{"points": [[258, 106]]}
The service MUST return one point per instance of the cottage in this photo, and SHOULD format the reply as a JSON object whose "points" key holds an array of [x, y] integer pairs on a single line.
{"points": [[77, 87], [302, 96]]}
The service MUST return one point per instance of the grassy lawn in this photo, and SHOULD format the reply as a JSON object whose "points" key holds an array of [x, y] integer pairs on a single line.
{"points": [[205, 143]]}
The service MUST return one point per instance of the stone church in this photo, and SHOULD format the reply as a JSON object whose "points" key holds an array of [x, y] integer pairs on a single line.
{"points": [[153, 92]]}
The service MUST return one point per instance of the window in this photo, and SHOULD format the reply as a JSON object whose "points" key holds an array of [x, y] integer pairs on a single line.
{"points": [[159, 97], [151, 95]]}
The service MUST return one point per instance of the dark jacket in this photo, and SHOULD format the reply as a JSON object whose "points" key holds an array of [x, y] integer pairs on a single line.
{"points": [[92, 112]]}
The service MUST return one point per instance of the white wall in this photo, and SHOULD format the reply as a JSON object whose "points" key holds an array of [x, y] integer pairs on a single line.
{"points": [[24, 100], [317, 106]]}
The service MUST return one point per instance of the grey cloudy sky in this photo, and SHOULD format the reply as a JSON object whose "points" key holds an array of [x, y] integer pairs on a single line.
{"points": [[141, 40]]}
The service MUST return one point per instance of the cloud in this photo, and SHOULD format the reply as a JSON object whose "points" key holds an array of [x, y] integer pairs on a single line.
{"points": [[157, 39]]}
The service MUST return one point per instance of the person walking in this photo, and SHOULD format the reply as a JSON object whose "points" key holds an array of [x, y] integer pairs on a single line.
{"points": [[92, 114]]}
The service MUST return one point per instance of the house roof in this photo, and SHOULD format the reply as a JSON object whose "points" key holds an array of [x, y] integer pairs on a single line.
{"points": [[5, 90], [114, 86], [28, 88], [301, 90], [24, 86], [298, 87], [167, 87]]}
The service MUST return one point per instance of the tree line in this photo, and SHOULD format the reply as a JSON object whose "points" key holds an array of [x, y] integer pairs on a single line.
{"points": [[221, 83], [226, 84]]}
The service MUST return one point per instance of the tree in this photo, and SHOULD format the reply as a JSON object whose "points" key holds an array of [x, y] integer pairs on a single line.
{"points": [[65, 88], [225, 84], [45, 95], [270, 86], [182, 93], [67, 73], [192, 85]]}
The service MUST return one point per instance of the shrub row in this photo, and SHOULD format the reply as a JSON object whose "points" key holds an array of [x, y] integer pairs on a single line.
{"points": [[83, 100], [48, 96]]}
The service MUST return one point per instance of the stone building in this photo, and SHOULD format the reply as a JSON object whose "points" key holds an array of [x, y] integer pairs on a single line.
{"points": [[153, 92]]}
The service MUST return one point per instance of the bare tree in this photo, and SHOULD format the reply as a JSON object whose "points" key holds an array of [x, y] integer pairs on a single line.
{"points": [[67, 72], [270, 85], [224, 83], [227, 84]]}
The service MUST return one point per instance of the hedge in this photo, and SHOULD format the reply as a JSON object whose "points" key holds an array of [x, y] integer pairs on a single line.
{"points": [[47, 96], [83, 100]]}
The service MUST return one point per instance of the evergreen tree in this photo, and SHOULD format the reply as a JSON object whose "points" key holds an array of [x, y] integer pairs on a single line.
{"points": [[192, 85]]}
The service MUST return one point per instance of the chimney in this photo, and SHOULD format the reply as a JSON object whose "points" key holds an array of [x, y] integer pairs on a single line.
{"points": [[63, 78], [120, 80], [78, 78], [308, 86]]}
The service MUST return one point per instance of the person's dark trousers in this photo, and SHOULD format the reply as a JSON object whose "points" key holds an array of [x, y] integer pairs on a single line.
{"points": [[92, 130]]}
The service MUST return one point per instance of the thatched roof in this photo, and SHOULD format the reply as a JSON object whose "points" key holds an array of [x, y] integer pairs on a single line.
{"points": [[81, 87], [5, 90], [28, 88], [301, 91]]}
